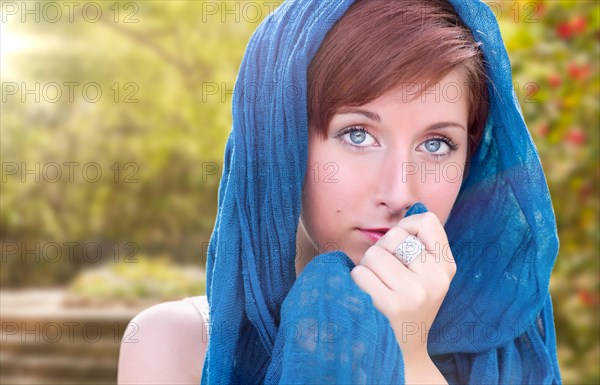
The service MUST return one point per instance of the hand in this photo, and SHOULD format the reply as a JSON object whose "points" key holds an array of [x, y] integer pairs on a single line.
{"points": [[409, 297]]}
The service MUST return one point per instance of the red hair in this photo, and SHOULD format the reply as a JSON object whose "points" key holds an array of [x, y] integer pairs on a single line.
{"points": [[411, 42]]}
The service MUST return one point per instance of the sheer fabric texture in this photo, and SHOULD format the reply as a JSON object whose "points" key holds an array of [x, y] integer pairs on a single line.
{"points": [[269, 326]]}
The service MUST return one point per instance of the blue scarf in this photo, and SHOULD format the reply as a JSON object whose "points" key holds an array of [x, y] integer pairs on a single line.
{"points": [[269, 326]]}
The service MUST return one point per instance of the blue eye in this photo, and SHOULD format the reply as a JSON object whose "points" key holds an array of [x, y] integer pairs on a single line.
{"points": [[433, 145], [440, 146], [358, 137]]}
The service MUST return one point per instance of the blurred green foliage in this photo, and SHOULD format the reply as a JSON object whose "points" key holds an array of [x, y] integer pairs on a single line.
{"points": [[554, 48], [154, 134], [166, 70], [150, 278]]}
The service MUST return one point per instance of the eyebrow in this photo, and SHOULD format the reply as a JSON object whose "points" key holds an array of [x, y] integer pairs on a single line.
{"points": [[367, 114], [375, 117]]}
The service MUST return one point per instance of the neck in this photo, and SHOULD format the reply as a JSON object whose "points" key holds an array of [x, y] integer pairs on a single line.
{"points": [[305, 249]]}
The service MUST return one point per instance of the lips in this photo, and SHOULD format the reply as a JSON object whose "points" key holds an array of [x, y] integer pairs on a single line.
{"points": [[374, 234]]}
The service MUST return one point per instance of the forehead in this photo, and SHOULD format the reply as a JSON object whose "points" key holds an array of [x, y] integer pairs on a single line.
{"points": [[451, 90], [454, 83]]}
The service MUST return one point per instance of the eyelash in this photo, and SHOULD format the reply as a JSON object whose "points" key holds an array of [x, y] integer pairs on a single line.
{"points": [[453, 146]]}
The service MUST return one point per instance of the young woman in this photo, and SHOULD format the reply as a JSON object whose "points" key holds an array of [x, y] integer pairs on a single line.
{"points": [[383, 215]]}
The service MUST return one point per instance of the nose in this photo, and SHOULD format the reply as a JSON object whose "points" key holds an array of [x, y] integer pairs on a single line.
{"points": [[397, 181]]}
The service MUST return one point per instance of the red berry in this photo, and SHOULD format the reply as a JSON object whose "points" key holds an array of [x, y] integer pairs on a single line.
{"points": [[585, 71], [564, 30], [579, 72], [578, 24], [576, 136], [587, 298], [573, 71], [554, 80]]}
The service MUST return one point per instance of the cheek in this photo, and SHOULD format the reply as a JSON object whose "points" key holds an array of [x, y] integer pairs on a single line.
{"points": [[331, 191], [322, 204], [439, 197]]}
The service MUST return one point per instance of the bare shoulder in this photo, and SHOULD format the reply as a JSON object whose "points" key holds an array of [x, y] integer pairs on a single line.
{"points": [[164, 344]]}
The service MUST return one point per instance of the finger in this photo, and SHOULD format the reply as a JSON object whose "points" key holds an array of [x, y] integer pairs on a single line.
{"points": [[372, 285], [424, 271], [386, 266], [426, 227], [392, 239], [430, 231]]}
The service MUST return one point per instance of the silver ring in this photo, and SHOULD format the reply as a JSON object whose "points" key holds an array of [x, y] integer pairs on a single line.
{"points": [[409, 249]]}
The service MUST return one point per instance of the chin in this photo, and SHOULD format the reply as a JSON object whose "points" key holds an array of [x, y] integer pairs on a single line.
{"points": [[356, 258]]}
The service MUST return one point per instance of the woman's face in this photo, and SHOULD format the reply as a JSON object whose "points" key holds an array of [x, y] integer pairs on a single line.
{"points": [[409, 151]]}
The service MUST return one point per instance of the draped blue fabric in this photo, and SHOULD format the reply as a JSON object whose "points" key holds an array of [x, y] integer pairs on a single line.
{"points": [[269, 326]]}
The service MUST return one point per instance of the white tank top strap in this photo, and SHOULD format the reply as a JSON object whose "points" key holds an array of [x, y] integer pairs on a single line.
{"points": [[200, 303]]}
